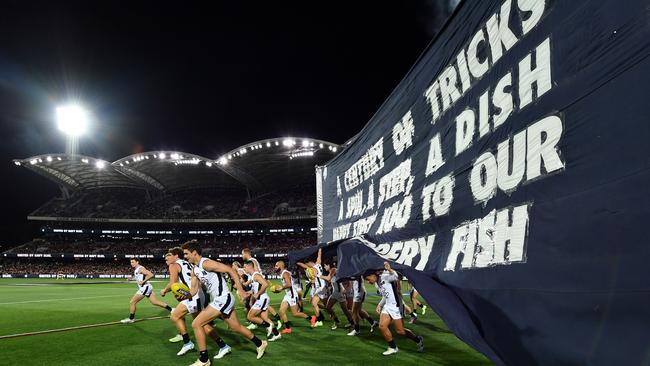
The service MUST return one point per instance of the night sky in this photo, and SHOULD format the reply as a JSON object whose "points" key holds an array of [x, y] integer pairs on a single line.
{"points": [[200, 80]]}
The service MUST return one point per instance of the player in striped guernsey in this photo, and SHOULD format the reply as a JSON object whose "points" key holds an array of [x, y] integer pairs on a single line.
{"points": [[181, 271], [337, 296], [243, 278], [247, 256], [291, 297], [145, 289], [259, 312], [413, 293], [319, 288], [358, 312], [212, 275], [391, 308]]}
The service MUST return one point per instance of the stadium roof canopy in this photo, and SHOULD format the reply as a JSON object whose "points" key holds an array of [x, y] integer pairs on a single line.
{"points": [[261, 166]]}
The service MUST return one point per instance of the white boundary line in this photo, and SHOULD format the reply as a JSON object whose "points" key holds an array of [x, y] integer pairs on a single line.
{"points": [[75, 328]]}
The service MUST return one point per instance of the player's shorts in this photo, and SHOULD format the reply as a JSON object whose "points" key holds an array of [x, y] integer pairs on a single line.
{"points": [[359, 297], [322, 292], [292, 300], [196, 303], [145, 290], [338, 296], [262, 303], [224, 303], [393, 311]]}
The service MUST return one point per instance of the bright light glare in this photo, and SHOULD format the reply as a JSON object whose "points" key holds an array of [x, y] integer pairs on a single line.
{"points": [[72, 120], [100, 164]]}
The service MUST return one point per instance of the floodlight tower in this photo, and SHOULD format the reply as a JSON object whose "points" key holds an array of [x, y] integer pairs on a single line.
{"points": [[72, 120]]}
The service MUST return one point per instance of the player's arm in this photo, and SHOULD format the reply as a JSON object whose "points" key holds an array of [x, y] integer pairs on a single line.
{"points": [[147, 275], [302, 265], [195, 285], [263, 285], [320, 256], [328, 278], [287, 280], [215, 266], [381, 303], [174, 269], [391, 275]]}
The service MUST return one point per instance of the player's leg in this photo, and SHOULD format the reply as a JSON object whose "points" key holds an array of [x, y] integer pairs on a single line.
{"points": [[178, 318], [272, 332], [398, 324], [384, 322], [274, 314], [233, 323], [154, 300], [346, 311], [211, 331], [133, 307], [205, 317], [315, 303], [408, 310], [356, 317], [329, 308], [253, 316], [364, 314]]}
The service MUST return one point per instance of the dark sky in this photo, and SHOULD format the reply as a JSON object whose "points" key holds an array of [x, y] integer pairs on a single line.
{"points": [[201, 80]]}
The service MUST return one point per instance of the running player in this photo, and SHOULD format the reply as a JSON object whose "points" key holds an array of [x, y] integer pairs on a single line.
{"points": [[244, 280], [246, 256], [181, 271], [212, 275], [390, 309], [297, 286], [358, 312], [259, 312], [319, 288], [337, 296], [145, 289], [413, 293], [291, 297]]}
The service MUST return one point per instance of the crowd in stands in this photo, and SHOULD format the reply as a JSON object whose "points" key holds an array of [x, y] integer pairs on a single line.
{"points": [[86, 244], [79, 267], [194, 204]]}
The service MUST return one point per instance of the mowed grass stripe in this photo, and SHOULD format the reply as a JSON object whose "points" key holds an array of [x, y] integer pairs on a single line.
{"points": [[63, 299]]}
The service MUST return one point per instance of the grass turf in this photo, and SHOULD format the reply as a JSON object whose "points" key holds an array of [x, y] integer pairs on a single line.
{"points": [[32, 305]]}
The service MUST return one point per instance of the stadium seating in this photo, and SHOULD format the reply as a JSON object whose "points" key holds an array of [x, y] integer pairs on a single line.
{"points": [[194, 204]]}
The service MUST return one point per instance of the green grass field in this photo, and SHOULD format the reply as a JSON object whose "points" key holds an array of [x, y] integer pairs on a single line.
{"points": [[34, 305]]}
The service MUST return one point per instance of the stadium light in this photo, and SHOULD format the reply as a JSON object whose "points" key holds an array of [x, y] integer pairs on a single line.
{"points": [[100, 164], [162, 156], [320, 145], [17, 163], [49, 159], [33, 161], [268, 144], [72, 119], [305, 143], [334, 149]]}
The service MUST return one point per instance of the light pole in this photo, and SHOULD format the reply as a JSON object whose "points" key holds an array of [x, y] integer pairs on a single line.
{"points": [[72, 120]]}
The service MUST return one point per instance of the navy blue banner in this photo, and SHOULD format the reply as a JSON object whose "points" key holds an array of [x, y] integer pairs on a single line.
{"points": [[508, 174]]}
